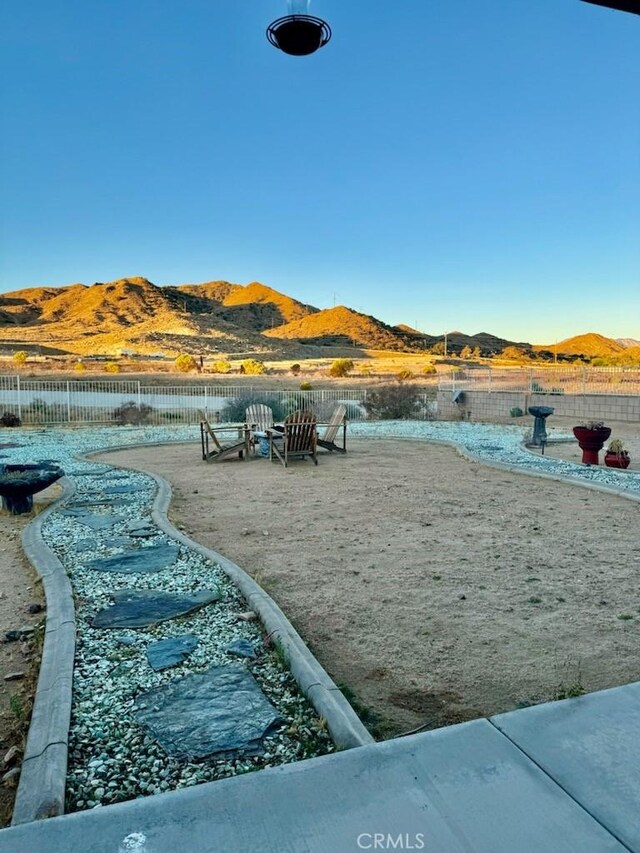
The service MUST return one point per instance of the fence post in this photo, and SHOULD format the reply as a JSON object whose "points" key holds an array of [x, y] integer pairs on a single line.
{"points": [[19, 396], [584, 381], [68, 402], [139, 395], [206, 402], [531, 380], [489, 380]]}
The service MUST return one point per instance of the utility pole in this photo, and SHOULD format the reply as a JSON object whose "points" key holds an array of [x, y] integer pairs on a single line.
{"points": [[445, 344]]}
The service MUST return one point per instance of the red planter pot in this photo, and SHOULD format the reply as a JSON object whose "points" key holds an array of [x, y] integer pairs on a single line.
{"points": [[617, 460], [591, 442]]}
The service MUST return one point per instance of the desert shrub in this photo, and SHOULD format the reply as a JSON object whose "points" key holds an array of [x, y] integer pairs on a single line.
{"points": [[185, 363], [112, 367], [305, 386], [234, 410], [252, 367], [220, 366], [516, 412], [132, 414], [294, 402], [393, 402], [9, 419], [295, 369], [341, 367], [39, 412], [80, 367], [20, 357], [403, 375], [429, 370]]}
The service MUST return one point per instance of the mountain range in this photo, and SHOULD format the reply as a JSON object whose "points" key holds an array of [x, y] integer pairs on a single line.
{"points": [[218, 317]]}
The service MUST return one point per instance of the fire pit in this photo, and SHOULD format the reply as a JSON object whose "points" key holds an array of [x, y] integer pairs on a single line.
{"points": [[299, 35], [19, 483]]}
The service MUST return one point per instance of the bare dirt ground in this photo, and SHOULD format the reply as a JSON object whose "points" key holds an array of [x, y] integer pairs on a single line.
{"points": [[434, 588], [18, 590]]}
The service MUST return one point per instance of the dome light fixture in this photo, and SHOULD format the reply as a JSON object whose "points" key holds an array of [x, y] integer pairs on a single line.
{"points": [[299, 34]]}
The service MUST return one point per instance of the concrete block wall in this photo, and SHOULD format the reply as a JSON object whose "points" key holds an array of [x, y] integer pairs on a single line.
{"points": [[496, 406]]}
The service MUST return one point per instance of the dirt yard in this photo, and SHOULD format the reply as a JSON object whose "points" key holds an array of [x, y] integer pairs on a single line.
{"points": [[19, 591], [435, 589]]}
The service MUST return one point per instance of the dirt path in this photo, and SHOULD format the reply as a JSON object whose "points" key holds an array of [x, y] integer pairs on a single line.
{"points": [[19, 590], [436, 589]]}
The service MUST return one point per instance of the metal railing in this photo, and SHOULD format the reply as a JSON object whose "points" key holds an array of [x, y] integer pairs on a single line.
{"points": [[554, 380]]}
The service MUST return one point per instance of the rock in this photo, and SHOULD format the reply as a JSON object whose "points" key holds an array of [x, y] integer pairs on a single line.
{"points": [[10, 756], [141, 608], [248, 616], [221, 711], [242, 648], [35, 608], [172, 651], [89, 519], [140, 560], [127, 640], [11, 777], [121, 490], [19, 634], [14, 676]]}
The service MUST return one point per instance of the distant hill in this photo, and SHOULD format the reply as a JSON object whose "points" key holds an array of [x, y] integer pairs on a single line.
{"points": [[628, 342], [591, 345], [342, 326]]}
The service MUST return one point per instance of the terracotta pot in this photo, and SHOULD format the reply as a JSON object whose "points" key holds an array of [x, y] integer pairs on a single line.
{"points": [[591, 442], [617, 460]]}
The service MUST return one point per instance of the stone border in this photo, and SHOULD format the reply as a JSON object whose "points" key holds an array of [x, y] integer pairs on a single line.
{"points": [[43, 776], [343, 723]]}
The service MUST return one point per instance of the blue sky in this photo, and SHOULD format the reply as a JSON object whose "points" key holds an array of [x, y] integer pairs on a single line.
{"points": [[469, 165]]}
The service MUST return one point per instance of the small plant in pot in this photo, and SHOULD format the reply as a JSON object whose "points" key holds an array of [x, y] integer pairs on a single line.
{"points": [[616, 455], [591, 438]]}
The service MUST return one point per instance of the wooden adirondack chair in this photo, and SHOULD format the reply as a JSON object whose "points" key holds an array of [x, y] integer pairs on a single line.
{"points": [[259, 418], [298, 439], [328, 437], [216, 449]]}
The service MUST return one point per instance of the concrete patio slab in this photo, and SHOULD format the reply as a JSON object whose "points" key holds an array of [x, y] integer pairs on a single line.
{"points": [[591, 747], [463, 789]]}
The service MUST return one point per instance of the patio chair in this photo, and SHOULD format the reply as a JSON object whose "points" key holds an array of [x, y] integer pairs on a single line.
{"points": [[298, 439], [259, 418], [216, 449], [328, 438]]}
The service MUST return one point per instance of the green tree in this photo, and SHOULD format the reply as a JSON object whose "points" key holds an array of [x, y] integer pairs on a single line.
{"points": [[20, 357], [466, 352]]}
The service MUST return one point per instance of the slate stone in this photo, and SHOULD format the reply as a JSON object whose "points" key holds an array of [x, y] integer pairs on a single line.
{"points": [[142, 608], [140, 560], [84, 545], [95, 522], [242, 648], [121, 490], [141, 528], [99, 473], [174, 650], [222, 711], [96, 500]]}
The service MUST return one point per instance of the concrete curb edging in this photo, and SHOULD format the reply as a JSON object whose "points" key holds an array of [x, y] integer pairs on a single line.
{"points": [[43, 776], [343, 723]]}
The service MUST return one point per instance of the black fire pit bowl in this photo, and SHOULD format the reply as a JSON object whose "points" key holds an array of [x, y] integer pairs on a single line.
{"points": [[19, 483], [299, 35]]}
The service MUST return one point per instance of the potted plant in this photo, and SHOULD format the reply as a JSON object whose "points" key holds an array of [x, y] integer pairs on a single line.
{"points": [[591, 438], [616, 455]]}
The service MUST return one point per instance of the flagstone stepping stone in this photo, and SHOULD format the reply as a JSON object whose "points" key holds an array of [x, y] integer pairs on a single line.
{"points": [[127, 640], [220, 711], [96, 500], [141, 528], [242, 649], [95, 522], [121, 490], [84, 545], [141, 560], [141, 608], [174, 650], [98, 473]]}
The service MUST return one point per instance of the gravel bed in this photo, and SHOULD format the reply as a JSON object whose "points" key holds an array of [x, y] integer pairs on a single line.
{"points": [[111, 758]]}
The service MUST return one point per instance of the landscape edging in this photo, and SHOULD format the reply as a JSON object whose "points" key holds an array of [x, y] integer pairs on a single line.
{"points": [[43, 777], [344, 725]]}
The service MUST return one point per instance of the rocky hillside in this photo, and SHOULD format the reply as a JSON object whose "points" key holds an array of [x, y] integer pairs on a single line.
{"points": [[590, 345]]}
